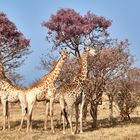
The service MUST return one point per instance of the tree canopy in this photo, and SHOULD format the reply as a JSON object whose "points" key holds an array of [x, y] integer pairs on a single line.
{"points": [[13, 44], [67, 28]]}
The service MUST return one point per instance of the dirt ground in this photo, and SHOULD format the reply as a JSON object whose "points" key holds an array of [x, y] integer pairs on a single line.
{"points": [[119, 131]]}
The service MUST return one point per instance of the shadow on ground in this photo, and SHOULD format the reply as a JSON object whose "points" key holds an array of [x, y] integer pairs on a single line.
{"points": [[105, 123]]}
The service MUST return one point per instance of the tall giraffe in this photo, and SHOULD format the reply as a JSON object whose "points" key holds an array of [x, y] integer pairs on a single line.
{"points": [[73, 94], [10, 93], [44, 89]]}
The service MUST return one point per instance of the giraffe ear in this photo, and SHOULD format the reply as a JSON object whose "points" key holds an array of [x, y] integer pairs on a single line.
{"points": [[60, 50]]}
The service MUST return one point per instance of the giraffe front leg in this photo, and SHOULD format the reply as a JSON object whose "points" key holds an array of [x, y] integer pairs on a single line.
{"points": [[61, 100], [81, 119], [28, 122], [4, 113], [63, 118], [70, 119], [81, 113], [46, 116], [85, 111], [24, 112], [29, 118], [51, 114], [77, 116]]}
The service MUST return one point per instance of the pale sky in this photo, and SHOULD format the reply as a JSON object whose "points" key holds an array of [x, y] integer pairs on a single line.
{"points": [[29, 14]]}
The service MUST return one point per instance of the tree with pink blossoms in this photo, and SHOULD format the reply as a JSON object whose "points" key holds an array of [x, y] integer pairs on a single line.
{"points": [[67, 28], [13, 44]]}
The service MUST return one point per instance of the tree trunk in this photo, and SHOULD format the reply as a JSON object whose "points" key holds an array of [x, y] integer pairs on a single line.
{"points": [[110, 108], [93, 112]]}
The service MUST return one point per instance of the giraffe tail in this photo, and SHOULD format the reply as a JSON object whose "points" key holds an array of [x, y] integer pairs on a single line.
{"points": [[26, 110], [66, 116], [7, 109]]}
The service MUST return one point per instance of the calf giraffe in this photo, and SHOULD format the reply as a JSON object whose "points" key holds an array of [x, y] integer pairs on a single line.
{"points": [[73, 94]]}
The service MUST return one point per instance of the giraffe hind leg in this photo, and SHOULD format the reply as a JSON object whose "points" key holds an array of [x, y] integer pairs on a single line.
{"points": [[46, 116], [29, 118], [8, 115], [4, 113], [51, 114], [70, 119]]}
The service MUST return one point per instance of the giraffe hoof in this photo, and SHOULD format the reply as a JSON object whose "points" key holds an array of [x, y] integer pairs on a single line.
{"points": [[53, 131], [64, 132], [77, 131], [72, 133], [81, 132], [27, 130]]}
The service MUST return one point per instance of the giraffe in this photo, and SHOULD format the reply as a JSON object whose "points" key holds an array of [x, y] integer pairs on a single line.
{"points": [[10, 93], [44, 89], [72, 94]]}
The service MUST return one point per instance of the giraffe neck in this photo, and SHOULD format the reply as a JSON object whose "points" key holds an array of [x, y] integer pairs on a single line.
{"points": [[53, 75], [83, 72], [5, 83], [2, 74]]}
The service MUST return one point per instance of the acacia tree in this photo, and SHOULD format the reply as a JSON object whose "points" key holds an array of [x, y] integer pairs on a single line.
{"points": [[127, 98], [13, 44], [67, 28]]}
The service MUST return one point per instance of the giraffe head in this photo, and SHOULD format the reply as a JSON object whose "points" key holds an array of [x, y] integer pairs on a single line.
{"points": [[64, 53], [90, 50]]}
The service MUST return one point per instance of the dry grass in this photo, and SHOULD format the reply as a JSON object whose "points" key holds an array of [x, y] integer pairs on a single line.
{"points": [[117, 131]]}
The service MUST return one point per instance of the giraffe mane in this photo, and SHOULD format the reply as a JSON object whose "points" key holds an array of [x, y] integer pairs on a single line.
{"points": [[76, 77]]}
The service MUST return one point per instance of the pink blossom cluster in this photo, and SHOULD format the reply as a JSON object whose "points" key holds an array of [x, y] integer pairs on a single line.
{"points": [[9, 32], [67, 24]]}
